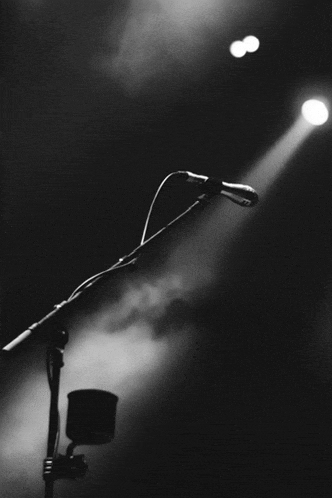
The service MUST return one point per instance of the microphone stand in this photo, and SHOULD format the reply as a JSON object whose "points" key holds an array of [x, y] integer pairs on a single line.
{"points": [[86, 288], [58, 466]]}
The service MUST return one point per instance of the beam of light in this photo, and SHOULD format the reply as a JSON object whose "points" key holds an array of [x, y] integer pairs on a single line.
{"points": [[315, 112], [216, 233], [251, 43], [238, 49], [270, 166]]}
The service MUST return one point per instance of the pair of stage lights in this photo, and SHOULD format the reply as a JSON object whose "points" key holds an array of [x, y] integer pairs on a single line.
{"points": [[249, 44], [314, 111]]}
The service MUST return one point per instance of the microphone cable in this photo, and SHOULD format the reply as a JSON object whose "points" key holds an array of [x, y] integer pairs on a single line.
{"points": [[116, 266]]}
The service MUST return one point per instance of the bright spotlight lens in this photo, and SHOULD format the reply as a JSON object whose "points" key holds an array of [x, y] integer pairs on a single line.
{"points": [[251, 43], [315, 112], [238, 49]]}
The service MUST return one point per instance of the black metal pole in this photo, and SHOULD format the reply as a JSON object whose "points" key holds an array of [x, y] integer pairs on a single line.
{"points": [[55, 363]]}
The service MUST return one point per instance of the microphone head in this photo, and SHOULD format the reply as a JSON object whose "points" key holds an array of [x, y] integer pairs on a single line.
{"points": [[241, 194], [244, 195]]}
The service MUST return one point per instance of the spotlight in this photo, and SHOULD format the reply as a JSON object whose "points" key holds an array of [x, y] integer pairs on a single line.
{"points": [[251, 43], [315, 112], [238, 49]]}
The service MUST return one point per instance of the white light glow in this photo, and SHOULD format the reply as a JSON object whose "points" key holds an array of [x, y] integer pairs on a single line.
{"points": [[251, 43], [238, 49], [315, 112]]}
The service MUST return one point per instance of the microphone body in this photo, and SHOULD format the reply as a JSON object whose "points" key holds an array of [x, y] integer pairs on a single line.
{"points": [[240, 194]]}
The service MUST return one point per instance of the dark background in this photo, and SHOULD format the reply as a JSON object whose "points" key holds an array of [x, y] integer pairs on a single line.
{"points": [[83, 154]]}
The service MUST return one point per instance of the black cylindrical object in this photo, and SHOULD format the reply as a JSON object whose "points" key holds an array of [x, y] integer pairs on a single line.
{"points": [[91, 416]]}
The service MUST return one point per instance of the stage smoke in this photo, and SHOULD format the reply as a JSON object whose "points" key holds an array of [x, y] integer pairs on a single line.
{"points": [[167, 39]]}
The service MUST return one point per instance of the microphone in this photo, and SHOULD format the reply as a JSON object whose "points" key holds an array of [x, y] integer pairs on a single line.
{"points": [[241, 194]]}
